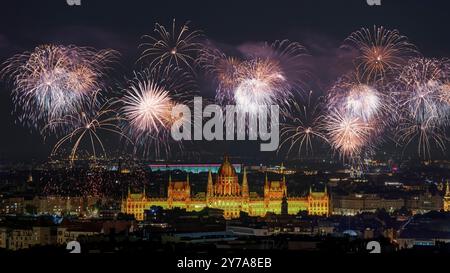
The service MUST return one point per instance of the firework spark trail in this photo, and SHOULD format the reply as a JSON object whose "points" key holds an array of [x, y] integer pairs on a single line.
{"points": [[147, 107], [303, 127], [445, 93], [419, 90], [289, 56], [357, 98], [366, 110], [53, 81], [363, 101], [381, 51], [87, 126], [360, 102], [348, 134], [177, 46], [267, 74], [55, 87], [224, 68], [426, 135], [420, 93], [262, 83]]}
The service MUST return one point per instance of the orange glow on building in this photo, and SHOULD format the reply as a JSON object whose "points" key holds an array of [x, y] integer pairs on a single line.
{"points": [[227, 194], [447, 198]]}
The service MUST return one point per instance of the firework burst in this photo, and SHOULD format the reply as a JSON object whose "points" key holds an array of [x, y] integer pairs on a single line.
{"points": [[224, 68], [348, 134], [54, 81], [261, 83], [361, 100], [177, 46], [289, 56], [303, 128], [358, 115], [87, 127], [420, 91], [147, 107], [381, 51], [262, 75], [425, 135], [421, 95], [445, 93]]}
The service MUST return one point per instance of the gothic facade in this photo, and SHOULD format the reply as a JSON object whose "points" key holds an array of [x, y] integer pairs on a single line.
{"points": [[447, 197]]}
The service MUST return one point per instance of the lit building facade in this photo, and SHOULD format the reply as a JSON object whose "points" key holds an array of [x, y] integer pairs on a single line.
{"points": [[49, 205], [26, 237], [226, 193], [447, 198]]}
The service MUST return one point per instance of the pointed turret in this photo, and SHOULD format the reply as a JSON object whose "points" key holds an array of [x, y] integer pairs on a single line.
{"points": [[209, 188], [245, 192], [169, 188], [188, 185], [284, 205], [284, 185], [446, 200], [266, 187]]}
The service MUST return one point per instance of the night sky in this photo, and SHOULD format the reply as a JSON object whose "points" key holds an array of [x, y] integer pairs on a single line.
{"points": [[319, 25]]}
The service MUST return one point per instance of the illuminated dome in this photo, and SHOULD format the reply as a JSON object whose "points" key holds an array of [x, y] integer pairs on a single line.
{"points": [[226, 169]]}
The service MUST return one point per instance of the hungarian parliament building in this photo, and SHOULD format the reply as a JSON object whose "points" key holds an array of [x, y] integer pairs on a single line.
{"points": [[226, 193]]}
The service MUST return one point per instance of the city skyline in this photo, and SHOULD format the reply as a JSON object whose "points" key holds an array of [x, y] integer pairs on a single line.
{"points": [[224, 134]]}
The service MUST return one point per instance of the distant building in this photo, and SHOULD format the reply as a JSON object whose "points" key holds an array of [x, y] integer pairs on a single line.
{"points": [[447, 198], [357, 203], [191, 168], [227, 194], [12, 205], [25, 234], [64, 205], [424, 203], [15, 238], [72, 233], [51, 205], [73, 230]]}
